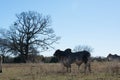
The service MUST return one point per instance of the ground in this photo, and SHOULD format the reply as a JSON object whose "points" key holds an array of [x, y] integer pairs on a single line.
{"points": [[55, 71]]}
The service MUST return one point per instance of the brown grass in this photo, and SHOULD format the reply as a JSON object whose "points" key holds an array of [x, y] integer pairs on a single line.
{"points": [[100, 71]]}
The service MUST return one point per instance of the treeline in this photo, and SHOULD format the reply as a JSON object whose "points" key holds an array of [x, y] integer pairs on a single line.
{"points": [[42, 59], [31, 59]]}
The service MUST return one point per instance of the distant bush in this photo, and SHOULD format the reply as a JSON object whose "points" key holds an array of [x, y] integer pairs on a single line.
{"points": [[8, 59], [31, 59], [99, 59], [50, 60]]}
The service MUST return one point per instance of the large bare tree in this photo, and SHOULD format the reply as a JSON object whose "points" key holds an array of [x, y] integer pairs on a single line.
{"points": [[30, 32]]}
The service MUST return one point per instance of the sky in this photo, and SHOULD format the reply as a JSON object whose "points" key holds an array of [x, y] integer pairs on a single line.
{"points": [[95, 23]]}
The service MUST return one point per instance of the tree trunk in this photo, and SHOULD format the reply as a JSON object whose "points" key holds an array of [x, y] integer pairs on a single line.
{"points": [[0, 64]]}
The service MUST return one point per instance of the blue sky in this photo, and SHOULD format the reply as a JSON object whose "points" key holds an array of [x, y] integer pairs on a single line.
{"points": [[78, 22]]}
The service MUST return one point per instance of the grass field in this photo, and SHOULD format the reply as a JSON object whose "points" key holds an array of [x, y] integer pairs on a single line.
{"points": [[41, 71]]}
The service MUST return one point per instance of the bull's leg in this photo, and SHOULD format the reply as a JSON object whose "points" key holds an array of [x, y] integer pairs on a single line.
{"points": [[67, 69], [78, 67], [0, 71], [78, 63], [89, 67], [70, 68], [85, 67]]}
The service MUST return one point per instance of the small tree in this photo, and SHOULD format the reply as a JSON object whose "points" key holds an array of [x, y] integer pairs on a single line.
{"points": [[30, 32], [82, 48], [4, 52]]}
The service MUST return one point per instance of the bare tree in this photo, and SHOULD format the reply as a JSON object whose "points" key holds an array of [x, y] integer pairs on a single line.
{"points": [[29, 32], [82, 48]]}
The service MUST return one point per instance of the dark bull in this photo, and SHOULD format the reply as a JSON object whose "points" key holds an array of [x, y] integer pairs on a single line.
{"points": [[67, 58]]}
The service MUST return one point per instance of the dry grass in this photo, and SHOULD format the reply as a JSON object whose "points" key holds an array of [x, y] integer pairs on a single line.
{"points": [[100, 71]]}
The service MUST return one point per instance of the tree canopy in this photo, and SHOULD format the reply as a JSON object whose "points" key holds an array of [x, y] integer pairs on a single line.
{"points": [[82, 48]]}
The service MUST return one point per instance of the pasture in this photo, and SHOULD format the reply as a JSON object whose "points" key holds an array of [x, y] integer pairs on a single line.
{"points": [[55, 71]]}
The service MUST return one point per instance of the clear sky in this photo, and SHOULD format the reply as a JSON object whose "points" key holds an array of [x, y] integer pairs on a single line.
{"points": [[78, 22]]}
